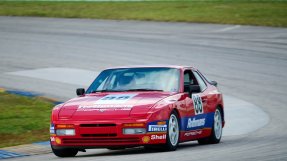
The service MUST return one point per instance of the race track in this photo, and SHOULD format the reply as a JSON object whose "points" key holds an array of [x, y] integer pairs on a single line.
{"points": [[249, 63]]}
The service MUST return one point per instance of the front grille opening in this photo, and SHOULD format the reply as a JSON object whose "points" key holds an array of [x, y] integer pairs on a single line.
{"points": [[99, 135], [97, 125], [93, 141]]}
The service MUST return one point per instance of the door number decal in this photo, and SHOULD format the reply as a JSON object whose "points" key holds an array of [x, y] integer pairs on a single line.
{"points": [[197, 103]]}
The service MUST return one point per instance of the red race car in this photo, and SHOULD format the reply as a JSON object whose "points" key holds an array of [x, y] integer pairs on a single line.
{"points": [[150, 106]]}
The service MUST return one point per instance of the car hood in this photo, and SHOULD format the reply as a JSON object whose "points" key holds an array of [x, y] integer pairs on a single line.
{"points": [[107, 106]]}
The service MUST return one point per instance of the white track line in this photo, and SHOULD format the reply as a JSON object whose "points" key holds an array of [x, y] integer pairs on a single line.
{"points": [[62, 75], [228, 28]]}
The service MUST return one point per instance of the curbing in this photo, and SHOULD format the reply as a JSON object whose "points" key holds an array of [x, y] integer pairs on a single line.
{"points": [[6, 154], [26, 149]]}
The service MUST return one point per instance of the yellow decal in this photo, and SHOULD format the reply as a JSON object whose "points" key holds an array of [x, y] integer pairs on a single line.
{"points": [[146, 139], [161, 123], [58, 140]]}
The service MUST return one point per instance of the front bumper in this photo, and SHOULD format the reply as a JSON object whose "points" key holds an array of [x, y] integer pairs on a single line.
{"points": [[104, 134]]}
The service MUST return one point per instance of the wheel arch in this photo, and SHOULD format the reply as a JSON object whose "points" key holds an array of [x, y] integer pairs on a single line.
{"points": [[179, 117]]}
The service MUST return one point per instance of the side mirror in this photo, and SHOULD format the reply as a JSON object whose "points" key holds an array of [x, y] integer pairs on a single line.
{"points": [[213, 83], [80, 91], [195, 88], [191, 89], [187, 88]]}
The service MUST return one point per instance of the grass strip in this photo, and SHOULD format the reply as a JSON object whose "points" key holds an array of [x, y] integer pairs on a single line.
{"points": [[23, 119], [264, 13]]}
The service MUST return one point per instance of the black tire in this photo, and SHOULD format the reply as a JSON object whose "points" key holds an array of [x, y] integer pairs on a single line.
{"points": [[171, 145], [214, 137], [65, 152]]}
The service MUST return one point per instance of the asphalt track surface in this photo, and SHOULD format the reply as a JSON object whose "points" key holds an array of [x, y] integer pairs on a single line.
{"points": [[248, 62]]}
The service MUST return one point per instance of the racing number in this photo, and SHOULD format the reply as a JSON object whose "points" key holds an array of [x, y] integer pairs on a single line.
{"points": [[197, 103], [115, 98]]}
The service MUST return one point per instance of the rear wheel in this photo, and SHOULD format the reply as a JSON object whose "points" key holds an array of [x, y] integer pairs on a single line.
{"points": [[65, 152], [216, 132], [172, 138]]}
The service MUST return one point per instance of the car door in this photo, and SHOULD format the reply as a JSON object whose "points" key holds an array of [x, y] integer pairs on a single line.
{"points": [[200, 99], [197, 111], [208, 112]]}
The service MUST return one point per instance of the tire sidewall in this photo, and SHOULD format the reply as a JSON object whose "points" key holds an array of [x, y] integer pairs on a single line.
{"points": [[213, 137], [169, 145]]}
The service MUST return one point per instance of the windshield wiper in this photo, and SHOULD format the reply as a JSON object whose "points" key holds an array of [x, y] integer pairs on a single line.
{"points": [[107, 90], [144, 89]]}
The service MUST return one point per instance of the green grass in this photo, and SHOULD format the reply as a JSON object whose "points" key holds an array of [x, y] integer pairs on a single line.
{"points": [[266, 13], [23, 120]]}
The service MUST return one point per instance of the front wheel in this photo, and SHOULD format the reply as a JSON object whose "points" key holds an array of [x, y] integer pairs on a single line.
{"points": [[216, 132], [65, 152], [172, 138]]}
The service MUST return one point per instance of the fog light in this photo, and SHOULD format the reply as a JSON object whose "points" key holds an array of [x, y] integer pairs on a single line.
{"points": [[134, 131], [63, 132]]}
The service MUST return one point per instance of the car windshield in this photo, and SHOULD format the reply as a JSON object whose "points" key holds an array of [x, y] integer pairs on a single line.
{"points": [[136, 79]]}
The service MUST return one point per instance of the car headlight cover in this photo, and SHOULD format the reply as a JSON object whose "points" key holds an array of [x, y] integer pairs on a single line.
{"points": [[134, 131], [65, 132]]}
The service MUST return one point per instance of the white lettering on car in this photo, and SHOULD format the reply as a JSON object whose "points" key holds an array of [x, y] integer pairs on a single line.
{"points": [[157, 128], [115, 99], [195, 123], [192, 133], [158, 137]]}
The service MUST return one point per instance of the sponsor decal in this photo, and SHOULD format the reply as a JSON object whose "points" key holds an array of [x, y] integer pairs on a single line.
{"points": [[110, 102], [52, 139], [192, 133], [157, 128], [145, 139], [158, 137], [115, 99], [197, 103], [195, 123], [58, 140], [102, 108], [52, 129]]}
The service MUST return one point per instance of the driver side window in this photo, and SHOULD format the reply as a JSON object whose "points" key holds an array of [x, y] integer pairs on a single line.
{"points": [[190, 83], [189, 78]]}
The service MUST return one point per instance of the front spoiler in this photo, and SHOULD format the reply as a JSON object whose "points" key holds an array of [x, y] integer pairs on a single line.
{"points": [[106, 142]]}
